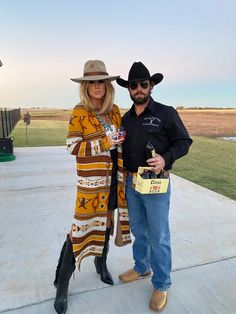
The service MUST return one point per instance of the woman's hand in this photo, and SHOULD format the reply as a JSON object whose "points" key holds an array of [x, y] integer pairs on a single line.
{"points": [[112, 139]]}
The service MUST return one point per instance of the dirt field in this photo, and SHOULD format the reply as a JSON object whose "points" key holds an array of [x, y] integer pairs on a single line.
{"points": [[47, 114], [212, 123], [209, 122], [204, 122]]}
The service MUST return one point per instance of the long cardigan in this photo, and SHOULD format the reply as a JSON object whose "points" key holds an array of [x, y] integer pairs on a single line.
{"points": [[86, 139]]}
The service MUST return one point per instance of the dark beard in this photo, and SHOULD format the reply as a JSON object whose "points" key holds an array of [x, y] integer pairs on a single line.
{"points": [[140, 100]]}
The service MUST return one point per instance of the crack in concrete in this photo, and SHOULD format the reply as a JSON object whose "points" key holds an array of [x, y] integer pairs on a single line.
{"points": [[43, 187]]}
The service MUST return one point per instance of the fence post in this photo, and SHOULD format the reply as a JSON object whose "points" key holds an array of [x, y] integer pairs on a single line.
{"points": [[2, 124]]}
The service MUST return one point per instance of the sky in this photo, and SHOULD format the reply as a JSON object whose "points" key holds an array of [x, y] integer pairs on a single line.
{"points": [[45, 43]]}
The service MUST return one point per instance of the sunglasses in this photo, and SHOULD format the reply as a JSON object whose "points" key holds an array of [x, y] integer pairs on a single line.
{"points": [[134, 85], [99, 82]]}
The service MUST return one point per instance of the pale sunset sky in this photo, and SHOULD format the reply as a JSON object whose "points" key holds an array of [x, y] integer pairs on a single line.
{"points": [[45, 43]]}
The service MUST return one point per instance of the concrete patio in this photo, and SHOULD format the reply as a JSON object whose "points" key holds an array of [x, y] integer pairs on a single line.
{"points": [[37, 195]]}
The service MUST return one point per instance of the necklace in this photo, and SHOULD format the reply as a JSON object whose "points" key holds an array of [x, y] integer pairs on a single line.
{"points": [[106, 123]]}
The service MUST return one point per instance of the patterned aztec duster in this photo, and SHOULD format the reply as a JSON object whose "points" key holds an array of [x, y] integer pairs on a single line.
{"points": [[86, 140]]}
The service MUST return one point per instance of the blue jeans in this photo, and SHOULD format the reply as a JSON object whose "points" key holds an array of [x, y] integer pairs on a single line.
{"points": [[149, 222]]}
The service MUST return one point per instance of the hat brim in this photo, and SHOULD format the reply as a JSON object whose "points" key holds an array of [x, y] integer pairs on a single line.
{"points": [[122, 82], [155, 79], [94, 78]]}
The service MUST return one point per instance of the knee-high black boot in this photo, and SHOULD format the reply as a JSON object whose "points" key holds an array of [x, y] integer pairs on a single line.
{"points": [[65, 268], [101, 262]]}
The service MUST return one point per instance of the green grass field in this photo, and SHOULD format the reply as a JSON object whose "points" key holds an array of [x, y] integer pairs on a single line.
{"points": [[210, 163], [40, 133]]}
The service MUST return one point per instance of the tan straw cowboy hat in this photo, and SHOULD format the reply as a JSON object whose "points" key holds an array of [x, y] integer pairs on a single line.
{"points": [[94, 70]]}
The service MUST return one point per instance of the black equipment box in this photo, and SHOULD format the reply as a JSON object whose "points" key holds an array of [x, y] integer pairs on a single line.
{"points": [[6, 145]]}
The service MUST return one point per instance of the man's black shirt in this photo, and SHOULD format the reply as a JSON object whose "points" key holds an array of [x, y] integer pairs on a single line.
{"points": [[162, 126]]}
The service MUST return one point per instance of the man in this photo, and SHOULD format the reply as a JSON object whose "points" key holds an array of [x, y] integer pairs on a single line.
{"points": [[161, 125]]}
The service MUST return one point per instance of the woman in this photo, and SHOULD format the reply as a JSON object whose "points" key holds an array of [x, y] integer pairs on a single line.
{"points": [[92, 139]]}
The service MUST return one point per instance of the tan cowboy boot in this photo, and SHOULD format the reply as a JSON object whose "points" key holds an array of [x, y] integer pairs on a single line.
{"points": [[132, 275], [158, 300]]}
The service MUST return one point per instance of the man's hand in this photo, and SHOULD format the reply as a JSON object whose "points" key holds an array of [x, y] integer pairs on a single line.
{"points": [[157, 162]]}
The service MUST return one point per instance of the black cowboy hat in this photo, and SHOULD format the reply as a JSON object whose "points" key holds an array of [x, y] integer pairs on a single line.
{"points": [[138, 72]]}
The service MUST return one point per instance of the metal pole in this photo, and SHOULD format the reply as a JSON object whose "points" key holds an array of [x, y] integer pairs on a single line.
{"points": [[26, 129]]}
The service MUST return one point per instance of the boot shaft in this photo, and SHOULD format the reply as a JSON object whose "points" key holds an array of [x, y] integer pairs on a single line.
{"points": [[66, 264], [106, 243]]}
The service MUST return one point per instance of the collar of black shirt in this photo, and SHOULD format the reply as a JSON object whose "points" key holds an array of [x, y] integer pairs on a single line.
{"points": [[149, 108]]}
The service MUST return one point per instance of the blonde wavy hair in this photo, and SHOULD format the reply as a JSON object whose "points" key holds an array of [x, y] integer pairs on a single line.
{"points": [[108, 99]]}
